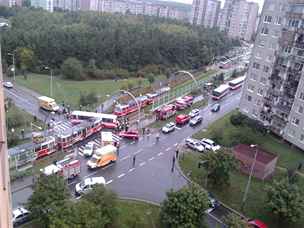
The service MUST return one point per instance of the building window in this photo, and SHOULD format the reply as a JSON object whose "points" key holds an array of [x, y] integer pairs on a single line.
{"points": [[254, 77], [287, 49], [250, 87], [293, 23], [278, 20], [292, 132], [267, 19], [301, 138], [249, 98], [256, 65], [266, 69], [300, 109], [269, 58], [258, 55], [276, 33], [260, 92], [265, 31], [258, 102], [254, 113], [301, 96], [295, 121], [262, 43]]}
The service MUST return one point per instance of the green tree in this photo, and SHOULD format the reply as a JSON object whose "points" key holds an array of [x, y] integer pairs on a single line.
{"points": [[49, 195], [184, 208], [72, 69], [285, 200], [219, 167], [151, 78], [26, 58], [235, 221]]}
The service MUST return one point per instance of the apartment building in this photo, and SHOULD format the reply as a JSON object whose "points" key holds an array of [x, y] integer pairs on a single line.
{"points": [[274, 89], [11, 3], [44, 4], [205, 12], [238, 18]]}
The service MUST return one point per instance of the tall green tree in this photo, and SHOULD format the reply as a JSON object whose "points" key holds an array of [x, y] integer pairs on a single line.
{"points": [[285, 200], [184, 208], [235, 221], [49, 195], [26, 58], [72, 69], [219, 167]]}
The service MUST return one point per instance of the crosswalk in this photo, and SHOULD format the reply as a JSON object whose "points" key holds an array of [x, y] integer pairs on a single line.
{"points": [[62, 126], [96, 143]]}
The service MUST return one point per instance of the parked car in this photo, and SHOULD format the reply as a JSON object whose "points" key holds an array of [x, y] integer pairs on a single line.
{"points": [[88, 149], [20, 216], [216, 107], [87, 184], [195, 145], [129, 135], [8, 85], [255, 223], [196, 120], [169, 127], [210, 145], [182, 119], [213, 203], [194, 113]]}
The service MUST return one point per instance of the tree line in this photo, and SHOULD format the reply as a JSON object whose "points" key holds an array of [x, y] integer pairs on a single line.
{"points": [[104, 45]]}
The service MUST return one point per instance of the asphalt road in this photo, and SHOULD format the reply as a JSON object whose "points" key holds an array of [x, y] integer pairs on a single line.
{"points": [[151, 177]]}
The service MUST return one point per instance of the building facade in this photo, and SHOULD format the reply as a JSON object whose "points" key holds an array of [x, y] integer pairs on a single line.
{"points": [[274, 89], [44, 4], [205, 12], [238, 18]]}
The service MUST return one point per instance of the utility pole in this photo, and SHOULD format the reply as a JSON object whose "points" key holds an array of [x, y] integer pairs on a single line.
{"points": [[250, 176], [5, 190], [14, 65]]}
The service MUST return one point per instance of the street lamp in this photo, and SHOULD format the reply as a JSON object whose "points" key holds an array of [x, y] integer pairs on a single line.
{"points": [[14, 67], [51, 81], [250, 176]]}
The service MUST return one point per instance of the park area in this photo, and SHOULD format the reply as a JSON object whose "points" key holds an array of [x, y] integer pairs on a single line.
{"points": [[228, 135]]}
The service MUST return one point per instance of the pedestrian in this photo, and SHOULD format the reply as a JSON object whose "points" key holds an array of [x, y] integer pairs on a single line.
{"points": [[176, 153], [143, 130], [173, 164], [127, 127], [22, 133], [134, 160]]}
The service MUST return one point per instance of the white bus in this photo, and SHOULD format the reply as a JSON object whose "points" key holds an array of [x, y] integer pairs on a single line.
{"points": [[236, 83], [220, 92], [108, 120]]}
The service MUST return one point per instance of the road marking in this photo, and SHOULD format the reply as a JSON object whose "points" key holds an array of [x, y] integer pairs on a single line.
{"points": [[139, 151], [176, 144], [132, 142], [121, 175], [80, 153], [142, 164], [178, 128], [109, 182], [77, 198], [124, 158], [91, 174], [74, 182], [169, 148], [130, 170], [159, 154], [150, 159]]}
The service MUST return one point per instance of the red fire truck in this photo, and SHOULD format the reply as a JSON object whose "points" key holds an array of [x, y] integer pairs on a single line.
{"points": [[184, 102], [165, 112], [47, 147]]}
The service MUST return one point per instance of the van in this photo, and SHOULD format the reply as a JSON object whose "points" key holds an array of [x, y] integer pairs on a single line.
{"points": [[103, 156], [48, 104]]}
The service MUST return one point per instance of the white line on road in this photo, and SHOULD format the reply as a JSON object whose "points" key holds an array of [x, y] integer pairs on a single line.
{"points": [[159, 154], [175, 144], [91, 174], [139, 151], [80, 153], [109, 182], [130, 170], [169, 148], [142, 164], [121, 175], [124, 158], [178, 128], [150, 159], [74, 182]]}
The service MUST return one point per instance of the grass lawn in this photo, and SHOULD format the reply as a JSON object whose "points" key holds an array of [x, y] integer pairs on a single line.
{"points": [[128, 210], [232, 195], [69, 91], [288, 156]]}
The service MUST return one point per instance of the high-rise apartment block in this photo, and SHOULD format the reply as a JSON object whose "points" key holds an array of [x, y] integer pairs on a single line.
{"points": [[274, 89], [238, 18], [11, 3], [136, 7], [205, 12]]}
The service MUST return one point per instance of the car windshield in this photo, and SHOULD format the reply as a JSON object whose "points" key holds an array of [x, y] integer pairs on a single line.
{"points": [[93, 159], [82, 184], [169, 125]]}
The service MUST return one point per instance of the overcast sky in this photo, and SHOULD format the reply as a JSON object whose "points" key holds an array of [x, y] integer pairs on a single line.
{"points": [[261, 2]]}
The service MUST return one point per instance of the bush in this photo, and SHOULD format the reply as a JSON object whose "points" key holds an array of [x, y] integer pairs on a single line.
{"points": [[237, 119], [88, 99], [72, 69]]}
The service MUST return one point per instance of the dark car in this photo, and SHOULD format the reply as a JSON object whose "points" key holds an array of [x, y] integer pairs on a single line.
{"points": [[216, 107]]}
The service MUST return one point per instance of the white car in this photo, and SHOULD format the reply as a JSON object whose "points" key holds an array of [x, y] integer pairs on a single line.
{"points": [[210, 145], [151, 95], [195, 144], [213, 203], [196, 120], [194, 113], [87, 184], [20, 216], [88, 149], [169, 127], [8, 85]]}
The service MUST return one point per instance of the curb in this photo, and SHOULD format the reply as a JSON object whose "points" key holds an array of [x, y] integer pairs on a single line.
{"points": [[139, 200]]}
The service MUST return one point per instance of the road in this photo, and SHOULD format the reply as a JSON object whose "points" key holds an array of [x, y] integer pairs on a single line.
{"points": [[151, 177]]}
